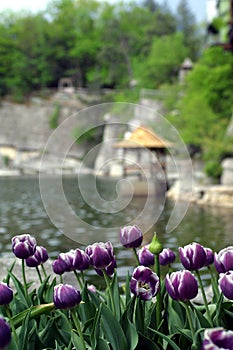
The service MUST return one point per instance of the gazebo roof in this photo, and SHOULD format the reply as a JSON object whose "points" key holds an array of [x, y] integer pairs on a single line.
{"points": [[143, 137]]}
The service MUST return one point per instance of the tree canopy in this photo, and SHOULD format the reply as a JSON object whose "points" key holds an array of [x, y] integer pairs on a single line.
{"points": [[96, 43]]}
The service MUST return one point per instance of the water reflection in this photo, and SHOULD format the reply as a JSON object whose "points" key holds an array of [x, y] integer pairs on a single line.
{"points": [[21, 210]]}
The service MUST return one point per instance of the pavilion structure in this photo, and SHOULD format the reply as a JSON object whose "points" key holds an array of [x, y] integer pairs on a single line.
{"points": [[140, 139]]}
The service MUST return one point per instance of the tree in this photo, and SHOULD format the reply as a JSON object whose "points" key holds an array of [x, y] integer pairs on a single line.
{"points": [[186, 24]]}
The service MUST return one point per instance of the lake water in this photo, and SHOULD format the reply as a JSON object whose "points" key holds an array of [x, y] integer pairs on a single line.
{"points": [[22, 211]]}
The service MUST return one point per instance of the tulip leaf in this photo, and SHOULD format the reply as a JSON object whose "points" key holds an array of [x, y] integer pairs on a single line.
{"points": [[146, 343], [102, 345], [76, 340], [112, 329], [130, 331], [95, 328], [116, 296], [20, 289], [166, 338], [35, 311], [23, 335]]}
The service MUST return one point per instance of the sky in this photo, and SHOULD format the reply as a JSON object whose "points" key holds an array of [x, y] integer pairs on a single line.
{"points": [[198, 7]]}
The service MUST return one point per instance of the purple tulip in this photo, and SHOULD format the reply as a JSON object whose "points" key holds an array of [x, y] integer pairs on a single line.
{"points": [[209, 256], [131, 236], [192, 256], [81, 260], [59, 266], [6, 294], [217, 338], [226, 284], [167, 257], [5, 334], [223, 261], [66, 296], [109, 269], [145, 257], [101, 255], [181, 285], [23, 246], [39, 257], [144, 283]]}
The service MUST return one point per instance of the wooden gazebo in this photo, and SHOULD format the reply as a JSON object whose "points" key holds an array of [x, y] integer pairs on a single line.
{"points": [[141, 138]]}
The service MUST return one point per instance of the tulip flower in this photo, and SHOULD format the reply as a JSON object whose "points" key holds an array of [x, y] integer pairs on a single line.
{"points": [[144, 283], [145, 257], [6, 294], [23, 246], [192, 256], [181, 285], [101, 255], [39, 257], [226, 284], [5, 334], [59, 266], [91, 288], [223, 261], [131, 236], [66, 296], [217, 338], [81, 260], [166, 257], [209, 256]]}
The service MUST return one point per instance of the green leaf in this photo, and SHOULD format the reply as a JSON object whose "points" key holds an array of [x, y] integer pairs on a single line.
{"points": [[112, 329], [102, 345], [76, 340], [23, 335], [130, 331], [146, 343], [166, 338], [116, 295], [20, 289], [35, 311], [95, 328], [140, 315]]}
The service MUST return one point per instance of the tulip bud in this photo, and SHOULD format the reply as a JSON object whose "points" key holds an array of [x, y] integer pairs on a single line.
{"points": [[181, 285], [66, 296], [217, 338], [6, 294], [131, 236], [39, 257], [226, 284], [81, 260], [59, 267], [144, 283], [145, 257], [23, 246], [223, 261], [5, 334], [155, 246], [192, 256], [166, 257]]}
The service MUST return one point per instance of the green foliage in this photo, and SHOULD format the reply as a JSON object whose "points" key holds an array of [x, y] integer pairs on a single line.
{"points": [[53, 119], [97, 43], [6, 160], [205, 109]]}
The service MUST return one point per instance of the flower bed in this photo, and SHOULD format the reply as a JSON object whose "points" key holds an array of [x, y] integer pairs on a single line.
{"points": [[146, 311]]}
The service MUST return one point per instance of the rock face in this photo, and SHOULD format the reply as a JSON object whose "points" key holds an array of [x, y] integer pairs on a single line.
{"points": [[227, 174], [25, 131]]}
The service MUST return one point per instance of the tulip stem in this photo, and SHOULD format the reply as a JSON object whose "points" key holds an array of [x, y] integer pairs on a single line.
{"points": [[8, 312], [136, 256], [25, 282], [214, 283], [78, 279], [109, 291], [78, 327], [39, 274], [44, 271], [204, 298], [186, 306], [158, 296]]}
